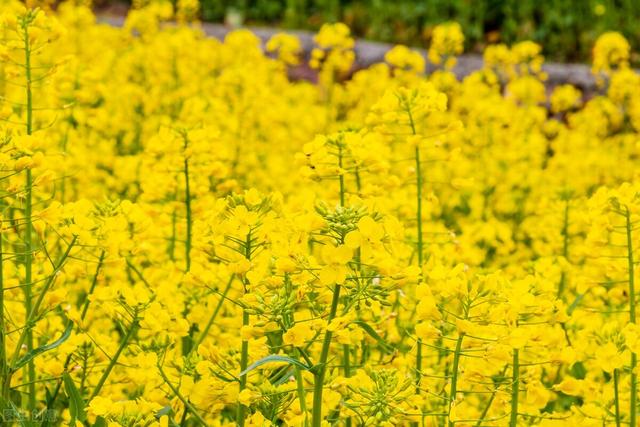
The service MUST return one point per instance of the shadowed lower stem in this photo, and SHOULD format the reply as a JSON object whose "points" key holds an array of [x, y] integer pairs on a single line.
{"points": [[515, 388], [321, 367], [632, 319]]}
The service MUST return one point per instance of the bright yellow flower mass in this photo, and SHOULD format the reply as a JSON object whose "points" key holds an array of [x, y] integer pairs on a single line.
{"points": [[191, 238]]}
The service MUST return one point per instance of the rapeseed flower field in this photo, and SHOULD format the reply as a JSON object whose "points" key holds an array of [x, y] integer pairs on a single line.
{"points": [[191, 238]]}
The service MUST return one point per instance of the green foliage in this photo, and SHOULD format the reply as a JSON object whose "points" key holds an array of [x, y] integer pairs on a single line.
{"points": [[566, 28]]}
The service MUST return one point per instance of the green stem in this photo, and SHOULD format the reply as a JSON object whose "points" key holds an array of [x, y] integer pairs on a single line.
{"points": [[515, 388], [244, 362], [321, 367], [418, 186], [420, 244], [419, 204], [27, 64], [94, 282], [244, 351], [31, 315], [418, 365], [179, 395], [346, 361], [454, 374], [187, 201], [213, 317], [28, 257], [3, 346], [632, 319], [341, 176], [301, 395], [85, 308], [616, 396], [114, 359], [485, 411], [172, 242], [419, 250], [28, 292], [565, 247]]}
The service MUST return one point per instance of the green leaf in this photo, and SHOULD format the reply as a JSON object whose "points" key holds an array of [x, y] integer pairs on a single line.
{"points": [[274, 358], [48, 397], [36, 351], [372, 332], [163, 411], [575, 303], [15, 415], [76, 403], [281, 375], [284, 378]]}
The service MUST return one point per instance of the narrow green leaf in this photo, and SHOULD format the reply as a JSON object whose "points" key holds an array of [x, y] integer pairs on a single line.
{"points": [[76, 404], [284, 378], [274, 358], [281, 375], [166, 411], [575, 303], [372, 332], [163, 411], [36, 351], [48, 397], [15, 414]]}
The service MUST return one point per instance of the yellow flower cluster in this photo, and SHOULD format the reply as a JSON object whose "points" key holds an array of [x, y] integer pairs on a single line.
{"points": [[447, 42], [333, 54], [286, 46], [610, 52], [564, 98], [190, 238]]}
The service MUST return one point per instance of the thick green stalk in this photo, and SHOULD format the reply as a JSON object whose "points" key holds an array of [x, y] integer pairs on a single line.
{"points": [[28, 278], [418, 365], [342, 190], [419, 250], [418, 187], [515, 388], [345, 355], [346, 361], [321, 367], [30, 322], [565, 247], [454, 374], [187, 202], [244, 362], [112, 363], [27, 66], [420, 244], [171, 250], [4, 367], [32, 314], [419, 204], [85, 308], [632, 319], [244, 351], [28, 231], [301, 395], [616, 395]]}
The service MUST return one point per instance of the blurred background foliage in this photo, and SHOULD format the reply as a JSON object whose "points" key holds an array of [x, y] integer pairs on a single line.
{"points": [[566, 29]]}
